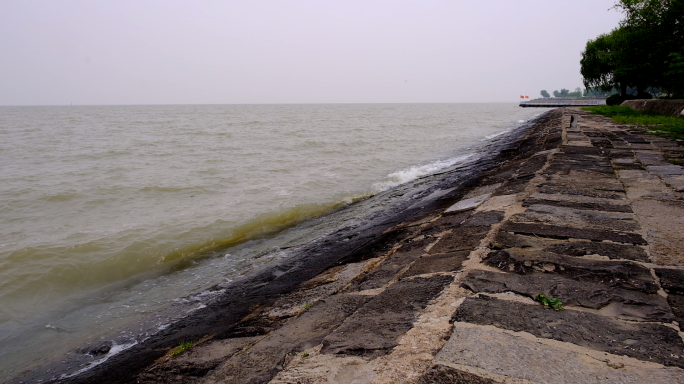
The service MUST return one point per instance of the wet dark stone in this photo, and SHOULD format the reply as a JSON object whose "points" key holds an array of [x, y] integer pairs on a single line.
{"points": [[532, 165], [377, 246], [676, 302], [576, 150], [553, 139], [513, 185], [180, 373], [557, 232], [613, 251], [551, 188], [635, 139], [645, 341], [390, 267], [442, 262], [626, 303], [256, 326], [376, 328], [445, 223], [579, 205], [571, 157], [620, 154], [441, 374], [97, 350], [504, 240], [628, 166], [263, 360], [594, 134], [602, 142], [579, 248], [621, 274], [501, 174], [672, 280], [484, 218], [562, 163], [461, 239], [416, 244]]}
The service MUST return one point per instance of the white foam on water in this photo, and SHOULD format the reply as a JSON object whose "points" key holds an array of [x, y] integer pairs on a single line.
{"points": [[489, 137], [409, 174], [116, 348]]}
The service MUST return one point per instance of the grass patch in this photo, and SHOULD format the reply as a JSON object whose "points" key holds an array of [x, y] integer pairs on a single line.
{"points": [[307, 305], [550, 302], [657, 124], [182, 347]]}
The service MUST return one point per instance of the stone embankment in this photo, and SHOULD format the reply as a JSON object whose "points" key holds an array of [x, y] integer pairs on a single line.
{"points": [[583, 210], [666, 107]]}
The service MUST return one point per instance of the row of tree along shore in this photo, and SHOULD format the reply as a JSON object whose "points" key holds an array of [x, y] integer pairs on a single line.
{"points": [[643, 57], [578, 93]]}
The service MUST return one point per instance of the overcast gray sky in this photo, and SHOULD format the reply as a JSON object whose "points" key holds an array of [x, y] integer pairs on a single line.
{"points": [[225, 52]]}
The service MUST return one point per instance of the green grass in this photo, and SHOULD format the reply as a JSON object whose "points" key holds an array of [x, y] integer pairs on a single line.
{"points": [[657, 124], [182, 347], [550, 302]]}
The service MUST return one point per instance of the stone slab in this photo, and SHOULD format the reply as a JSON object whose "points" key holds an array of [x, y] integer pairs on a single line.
{"points": [[390, 267], [262, 361], [484, 218], [666, 170], [558, 232], [442, 374], [592, 151], [514, 185], [663, 222], [194, 364], [623, 303], [467, 204], [577, 218], [676, 302], [577, 248], [644, 341], [580, 202], [650, 158], [441, 262], [514, 358], [620, 274], [550, 188], [444, 223], [376, 328], [611, 250], [461, 239], [675, 182]]}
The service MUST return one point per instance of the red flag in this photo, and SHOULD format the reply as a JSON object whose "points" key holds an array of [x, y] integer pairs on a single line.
{"points": [[522, 97], [527, 97]]}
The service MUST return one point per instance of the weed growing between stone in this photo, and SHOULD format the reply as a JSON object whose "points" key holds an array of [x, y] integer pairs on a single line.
{"points": [[550, 302], [182, 347], [657, 124]]}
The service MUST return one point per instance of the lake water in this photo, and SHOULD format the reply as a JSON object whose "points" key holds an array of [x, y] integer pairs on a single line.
{"points": [[109, 214]]}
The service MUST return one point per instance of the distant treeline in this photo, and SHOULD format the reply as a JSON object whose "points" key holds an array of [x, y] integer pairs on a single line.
{"points": [[577, 93], [643, 57]]}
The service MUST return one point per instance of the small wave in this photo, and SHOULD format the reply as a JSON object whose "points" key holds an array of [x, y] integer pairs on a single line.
{"points": [[260, 226], [116, 349], [489, 137], [409, 174]]}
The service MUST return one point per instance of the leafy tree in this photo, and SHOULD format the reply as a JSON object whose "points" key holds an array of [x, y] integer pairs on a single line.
{"points": [[643, 53], [556, 93], [545, 94]]}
